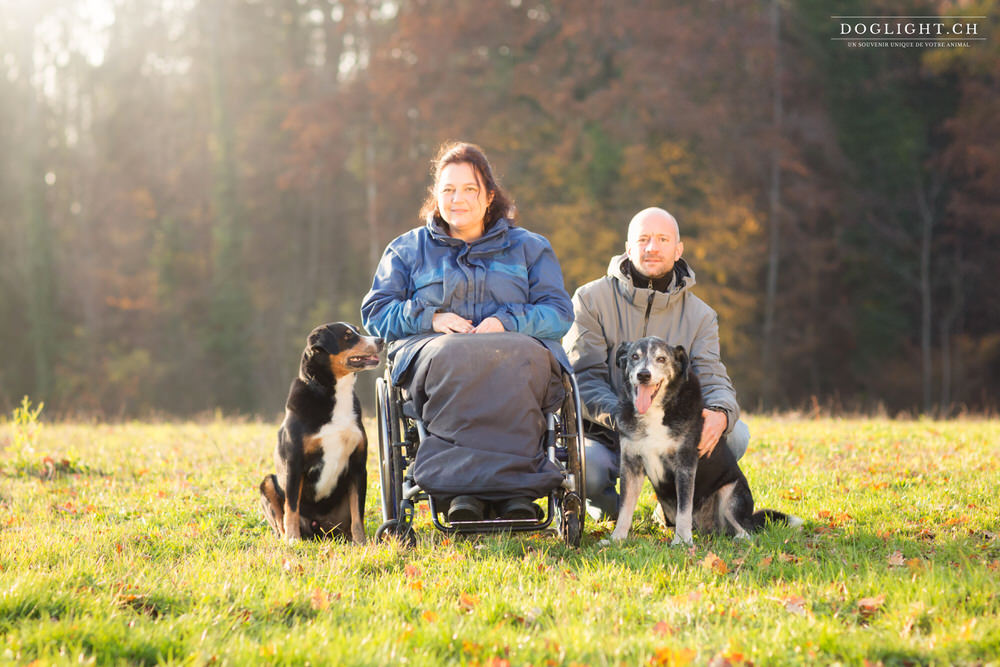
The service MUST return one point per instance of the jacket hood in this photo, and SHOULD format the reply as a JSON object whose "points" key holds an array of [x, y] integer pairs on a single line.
{"points": [[439, 232], [618, 270]]}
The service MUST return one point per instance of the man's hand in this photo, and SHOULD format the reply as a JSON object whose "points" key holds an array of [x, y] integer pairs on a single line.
{"points": [[713, 428], [489, 325], [450, 323]]}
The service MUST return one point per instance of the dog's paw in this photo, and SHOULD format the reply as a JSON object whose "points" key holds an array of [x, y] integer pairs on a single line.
{"points": [[681, 541], [612, 540]]}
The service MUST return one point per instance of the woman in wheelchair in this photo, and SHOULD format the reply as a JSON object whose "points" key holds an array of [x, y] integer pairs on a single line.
{"points": [[474, 308]]}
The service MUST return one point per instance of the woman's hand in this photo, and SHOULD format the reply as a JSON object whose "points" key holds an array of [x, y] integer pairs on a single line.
{"points": [[489, 325], [450, 323]]}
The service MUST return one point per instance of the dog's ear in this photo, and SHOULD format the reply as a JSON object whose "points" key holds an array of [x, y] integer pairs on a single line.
{"points": [[682, 358], [621, 355]]}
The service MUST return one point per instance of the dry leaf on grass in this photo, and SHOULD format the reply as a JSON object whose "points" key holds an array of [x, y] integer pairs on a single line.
{"points": [[869, 606], [714, 563], [319, 600], [730, 659], [673, 658], [467, 602], [795, 604], [663, 629]]}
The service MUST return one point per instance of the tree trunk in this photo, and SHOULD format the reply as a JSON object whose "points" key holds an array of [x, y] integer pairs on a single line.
{"points": [[774, 220], [38, 268], [371, 191], [947, 324], [229, 339], [926, 239]]}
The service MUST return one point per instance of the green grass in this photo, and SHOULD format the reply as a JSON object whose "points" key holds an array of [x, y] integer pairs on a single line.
{"points": [[143, 543]]}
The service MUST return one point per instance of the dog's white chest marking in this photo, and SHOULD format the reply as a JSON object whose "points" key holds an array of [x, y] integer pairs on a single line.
{"points": [[339, 437], [652, 443]]}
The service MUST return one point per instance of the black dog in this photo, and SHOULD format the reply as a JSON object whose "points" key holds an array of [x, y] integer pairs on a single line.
{"points": [[660, 424], [322, 446]]}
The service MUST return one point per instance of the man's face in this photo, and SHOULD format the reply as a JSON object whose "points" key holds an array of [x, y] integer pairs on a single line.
{"points": [[653, 244]]}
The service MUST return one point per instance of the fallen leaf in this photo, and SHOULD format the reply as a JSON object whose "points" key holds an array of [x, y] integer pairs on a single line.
{"points": [[730, 659], [319, 600], [764, 562], [429, 616], [915, 565], [662, 628], [714, 563], [896, 559], [467, 602], [794, 493], [868, 606], [411, 571], [795, 604], [671, 658]]}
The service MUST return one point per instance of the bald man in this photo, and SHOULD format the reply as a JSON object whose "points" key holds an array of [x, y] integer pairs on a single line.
{"points": [[646, 292]]}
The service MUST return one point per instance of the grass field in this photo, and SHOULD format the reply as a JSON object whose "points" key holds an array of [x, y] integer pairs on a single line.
{"points": [[143, 543]]}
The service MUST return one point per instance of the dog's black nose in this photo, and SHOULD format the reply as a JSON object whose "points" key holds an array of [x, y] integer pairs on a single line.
{"points": [[643, 376]]}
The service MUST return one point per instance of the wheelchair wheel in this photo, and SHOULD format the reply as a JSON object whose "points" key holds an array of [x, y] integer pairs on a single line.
{"points": [[573, 509], [393, 529], [389, 473]]}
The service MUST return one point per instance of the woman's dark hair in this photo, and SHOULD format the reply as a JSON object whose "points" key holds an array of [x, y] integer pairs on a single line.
{"points": [[460, 152]]}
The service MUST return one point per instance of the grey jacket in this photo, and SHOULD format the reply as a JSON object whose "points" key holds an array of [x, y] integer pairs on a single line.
{"points": [[612, 310]]}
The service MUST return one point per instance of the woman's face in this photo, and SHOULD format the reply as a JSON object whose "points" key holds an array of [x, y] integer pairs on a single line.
{"points": [[462, 201]]}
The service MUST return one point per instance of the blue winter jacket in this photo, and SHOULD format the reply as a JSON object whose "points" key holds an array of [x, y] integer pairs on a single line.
{"points": [[508, 273]]}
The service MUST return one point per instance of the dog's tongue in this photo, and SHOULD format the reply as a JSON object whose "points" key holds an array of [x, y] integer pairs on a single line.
{"points": [[644, 397]]}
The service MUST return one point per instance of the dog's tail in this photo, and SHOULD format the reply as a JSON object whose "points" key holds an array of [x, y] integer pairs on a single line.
{"points": [[763, 517]]}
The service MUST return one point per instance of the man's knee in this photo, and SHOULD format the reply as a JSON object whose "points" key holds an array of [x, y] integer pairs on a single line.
{"points": [[738, 439], [602, 466]]}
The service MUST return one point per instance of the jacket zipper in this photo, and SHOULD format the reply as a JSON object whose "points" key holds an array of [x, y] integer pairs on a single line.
{"points": [[649, 308]]}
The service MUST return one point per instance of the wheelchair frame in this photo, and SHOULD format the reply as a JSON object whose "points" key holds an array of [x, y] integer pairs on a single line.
{"points": [[399, 438]]}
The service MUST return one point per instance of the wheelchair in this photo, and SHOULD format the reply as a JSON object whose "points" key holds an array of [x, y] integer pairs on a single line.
{"points": [[400, 432]]}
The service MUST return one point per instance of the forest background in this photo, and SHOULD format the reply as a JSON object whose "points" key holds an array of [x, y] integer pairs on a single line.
{"points": [[187, 187]]}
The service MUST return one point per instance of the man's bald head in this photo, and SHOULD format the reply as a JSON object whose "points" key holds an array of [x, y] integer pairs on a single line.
{"points": [[652, 213], [654, 242]]}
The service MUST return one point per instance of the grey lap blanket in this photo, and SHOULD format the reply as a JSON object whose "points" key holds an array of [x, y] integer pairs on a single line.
{"points": [[482, 398]]}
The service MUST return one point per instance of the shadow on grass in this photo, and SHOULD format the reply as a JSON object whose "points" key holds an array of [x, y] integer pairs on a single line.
{"points": [[49, 468]]}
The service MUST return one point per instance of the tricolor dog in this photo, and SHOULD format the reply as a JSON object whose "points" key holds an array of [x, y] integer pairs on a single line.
{"points": [[660, 425], [319, 488]]}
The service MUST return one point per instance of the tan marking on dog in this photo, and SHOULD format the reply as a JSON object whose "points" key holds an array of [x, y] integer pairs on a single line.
{"points": [[338, 362], [312, 444], [273, 507], [292, 531]]}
